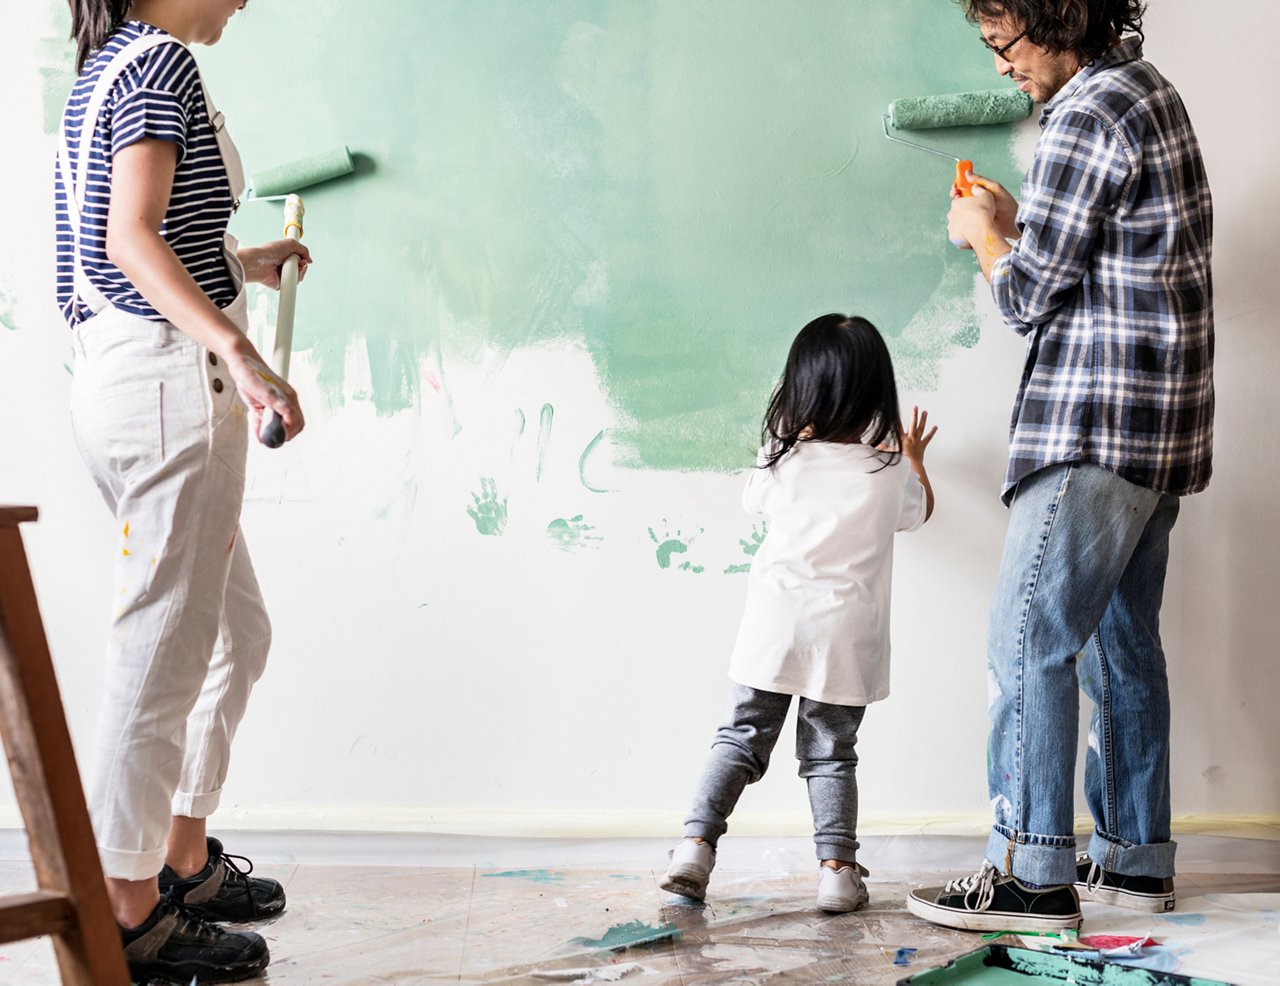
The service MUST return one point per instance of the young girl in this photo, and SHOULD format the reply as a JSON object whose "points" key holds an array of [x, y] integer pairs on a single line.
{"points": [[164, 389], [836, 479]]}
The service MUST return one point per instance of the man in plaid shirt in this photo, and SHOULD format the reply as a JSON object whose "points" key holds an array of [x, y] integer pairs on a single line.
{"points": [[1104, 267]]}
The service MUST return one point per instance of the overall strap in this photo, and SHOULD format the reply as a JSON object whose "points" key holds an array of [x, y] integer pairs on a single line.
{"points": [[84, 290]]}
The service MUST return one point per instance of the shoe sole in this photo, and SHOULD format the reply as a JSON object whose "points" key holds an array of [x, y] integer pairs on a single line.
{"points": [[841, 905], [950, 917], [686, 881], [1147, 903], [183, 974]]}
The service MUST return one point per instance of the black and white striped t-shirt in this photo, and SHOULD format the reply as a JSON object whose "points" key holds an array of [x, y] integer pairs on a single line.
{"points": [[159, 96]]}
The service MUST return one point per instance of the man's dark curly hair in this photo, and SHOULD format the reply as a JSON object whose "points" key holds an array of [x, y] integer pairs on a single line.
{"points": [[1085, 28]]}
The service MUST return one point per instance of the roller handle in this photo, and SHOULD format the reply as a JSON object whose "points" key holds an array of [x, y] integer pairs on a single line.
{"points": [[272, 433], [962, 183]]}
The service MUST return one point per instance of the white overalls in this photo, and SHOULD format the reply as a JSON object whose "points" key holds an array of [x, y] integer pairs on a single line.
{"points": [[164, 433]]}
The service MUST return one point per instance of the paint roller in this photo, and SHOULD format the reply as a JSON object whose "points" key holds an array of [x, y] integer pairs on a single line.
{"points": [[272, 433], [277, 182], [283, 181], [957, 109]]}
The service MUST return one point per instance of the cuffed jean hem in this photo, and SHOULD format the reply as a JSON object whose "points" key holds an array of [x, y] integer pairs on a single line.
{"points": [[187, 805], [1153, 860], [837, 850], [1048, 861], [706, 833], [120, 864]]}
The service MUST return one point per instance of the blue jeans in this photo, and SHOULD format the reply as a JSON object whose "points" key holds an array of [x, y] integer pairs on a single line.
{"points": [[1078, 601]]}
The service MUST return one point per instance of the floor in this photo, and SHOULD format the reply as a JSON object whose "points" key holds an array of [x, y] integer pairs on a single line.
{"points": [[403, 909]]}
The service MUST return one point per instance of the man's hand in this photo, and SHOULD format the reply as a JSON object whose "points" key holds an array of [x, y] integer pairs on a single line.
{"points": [[1006, 205], [971, 225]]}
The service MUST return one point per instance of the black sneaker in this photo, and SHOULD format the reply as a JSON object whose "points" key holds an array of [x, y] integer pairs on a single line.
{"points": [[175, 946], [222, 891], [988, 901], [1141, 893]]}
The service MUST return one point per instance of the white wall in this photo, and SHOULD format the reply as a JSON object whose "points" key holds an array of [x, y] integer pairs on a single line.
{"points": [[428, 677]]}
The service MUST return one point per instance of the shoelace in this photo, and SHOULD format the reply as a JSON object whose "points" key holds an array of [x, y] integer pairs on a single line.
{"points": [[982, 883], [1094, 880], [242, 875]]}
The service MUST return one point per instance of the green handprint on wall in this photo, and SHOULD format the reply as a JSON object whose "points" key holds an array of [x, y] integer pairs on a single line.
{"points": [[749, 548], [489, 513]]}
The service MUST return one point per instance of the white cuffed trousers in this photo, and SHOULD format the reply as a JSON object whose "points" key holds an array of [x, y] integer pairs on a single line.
{"points": [[165, 435]]}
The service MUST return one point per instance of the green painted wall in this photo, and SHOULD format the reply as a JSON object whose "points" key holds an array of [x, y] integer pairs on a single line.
{"points": [[679, 185]]}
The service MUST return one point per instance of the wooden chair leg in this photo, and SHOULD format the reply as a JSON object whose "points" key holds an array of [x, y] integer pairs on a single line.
{"points": [[71, 904]]}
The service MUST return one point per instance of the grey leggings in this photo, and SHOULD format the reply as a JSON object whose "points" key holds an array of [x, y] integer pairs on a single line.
{"points": [[825, 739]]}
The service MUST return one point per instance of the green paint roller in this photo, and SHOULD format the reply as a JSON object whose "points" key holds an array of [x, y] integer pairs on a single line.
{"points": [[279, 181], [957, 109]]}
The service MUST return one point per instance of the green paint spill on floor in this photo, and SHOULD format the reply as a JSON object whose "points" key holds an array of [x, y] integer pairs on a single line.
{"points": [[630, 934], [537, 876], [678, 187]]}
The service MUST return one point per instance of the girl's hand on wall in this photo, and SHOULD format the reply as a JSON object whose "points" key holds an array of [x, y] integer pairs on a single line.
{"points": [[915, 439], [262, 264], [260, 388]]}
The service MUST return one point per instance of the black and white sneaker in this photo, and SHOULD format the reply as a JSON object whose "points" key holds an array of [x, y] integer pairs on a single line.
{"points": [[175, 945], [223, 891], [1152, 894], [988, 901]]}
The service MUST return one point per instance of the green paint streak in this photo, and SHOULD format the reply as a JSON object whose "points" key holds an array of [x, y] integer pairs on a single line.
{"points": [[749, 548], [678, 187], [488, 512], [582, 463], [519, 431], [545, 420], [630, 934], [572, 534], [537, 876]]}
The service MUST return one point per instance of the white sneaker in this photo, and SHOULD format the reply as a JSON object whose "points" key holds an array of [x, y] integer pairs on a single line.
{"points": [[842, 890], [690, 869]]}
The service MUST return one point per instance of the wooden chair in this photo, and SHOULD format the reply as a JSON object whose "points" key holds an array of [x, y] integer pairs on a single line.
{"points": [[71, 902]]}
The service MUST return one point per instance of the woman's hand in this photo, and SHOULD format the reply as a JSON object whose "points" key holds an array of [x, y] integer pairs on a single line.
{"points": [[261, 388], [262, 264]]}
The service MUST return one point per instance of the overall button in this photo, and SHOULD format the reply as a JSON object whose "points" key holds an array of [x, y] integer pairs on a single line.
{"points": [[217, 385], [213, 359]]}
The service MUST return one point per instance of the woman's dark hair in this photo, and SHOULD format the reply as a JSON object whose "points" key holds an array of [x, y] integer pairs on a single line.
{"points": [[92, 23], [837, 386], [1084, 28]]}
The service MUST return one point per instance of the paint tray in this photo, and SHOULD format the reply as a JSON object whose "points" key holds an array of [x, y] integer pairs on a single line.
{"points": [[1003, 965]]}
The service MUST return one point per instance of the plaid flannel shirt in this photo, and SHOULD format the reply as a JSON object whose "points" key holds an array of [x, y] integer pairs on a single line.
{"points": [[1110, 283]]}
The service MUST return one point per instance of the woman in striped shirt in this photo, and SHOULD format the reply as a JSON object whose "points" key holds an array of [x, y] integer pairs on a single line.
{"points": [[165, 386]]}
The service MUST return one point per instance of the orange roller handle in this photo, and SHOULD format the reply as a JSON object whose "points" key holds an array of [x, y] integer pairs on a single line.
{"points": [[962, 184]]}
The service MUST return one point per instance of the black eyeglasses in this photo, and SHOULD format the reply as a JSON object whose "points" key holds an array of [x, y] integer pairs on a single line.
{"points": [[1000, 52]]}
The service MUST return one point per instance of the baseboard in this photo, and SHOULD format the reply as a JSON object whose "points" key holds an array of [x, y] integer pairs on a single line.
{"points": [[590, 823]]}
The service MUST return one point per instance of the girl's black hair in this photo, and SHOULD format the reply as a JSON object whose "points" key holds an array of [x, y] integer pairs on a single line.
{"points": [[92, 23], [837, 386]]}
